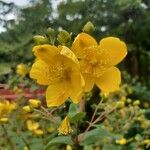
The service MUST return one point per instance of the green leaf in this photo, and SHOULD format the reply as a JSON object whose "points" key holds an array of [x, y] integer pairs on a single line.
{"points": [[73, 110], [79, 116], [74, 113], [88, 147], [95, 135], [60, 140], [112, 147], [4, 68]]}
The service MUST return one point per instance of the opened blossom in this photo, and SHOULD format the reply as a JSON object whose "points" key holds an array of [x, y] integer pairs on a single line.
{"points": [[98, 61], [58, 68]]}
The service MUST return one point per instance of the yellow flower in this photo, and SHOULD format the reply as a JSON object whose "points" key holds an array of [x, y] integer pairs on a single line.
{"points": [[58, 68], [65, 127], [22, 70], [136, 103], [27, 109], [6, 108], [147, 143], [122, 141], [35, 103], [25, 148], [38, 132], [4, 120], [31, 125], [97, 61], [68, 147]]}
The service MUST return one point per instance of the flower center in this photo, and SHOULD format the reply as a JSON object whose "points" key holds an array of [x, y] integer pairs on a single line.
{"points": [[59, 73]]}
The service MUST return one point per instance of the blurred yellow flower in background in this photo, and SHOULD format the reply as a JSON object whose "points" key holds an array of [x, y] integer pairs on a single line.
{"points": [[65, 127], [6, 108], [58, 68], [32, 125], [4, 120], [39, 132], [22, 70], [97, 61], [27, 109], [68, 147], [35, 103], [122, 141]]}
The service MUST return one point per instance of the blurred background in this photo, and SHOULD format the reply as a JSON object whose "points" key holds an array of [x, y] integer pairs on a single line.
{"points": [[129, 20]]}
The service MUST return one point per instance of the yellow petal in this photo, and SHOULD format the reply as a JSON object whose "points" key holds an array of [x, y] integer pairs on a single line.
{"points": [[113, 50], [57, 94], [46, 52], [89, 82], [76, 88], [81, 42], [40, 72], [110, 80], [69, 54]]}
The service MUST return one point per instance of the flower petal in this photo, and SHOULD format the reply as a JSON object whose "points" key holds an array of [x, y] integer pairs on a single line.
{"points": [[113, 49], [76, 88], [57, 94], [69, 54], [89, 82], [110, 80], [39, 71], [81, 42], [45, 52]]}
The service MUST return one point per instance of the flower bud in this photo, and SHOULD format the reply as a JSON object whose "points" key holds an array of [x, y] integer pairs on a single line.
{"points": [[63, 37], [38, 39], [65, 127], [122, 141], [22, 70], [50, 31], [120, 104], [88, 27], [68, 147], [129, 100], [35, 103], [4, 120], [27, 109], [38, 132], [25, 148], [51, 35], [136, 103]]}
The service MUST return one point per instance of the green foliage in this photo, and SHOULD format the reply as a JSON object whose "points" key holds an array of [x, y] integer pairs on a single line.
{"points": [[74, 113], [59, 140], [17, 41]]}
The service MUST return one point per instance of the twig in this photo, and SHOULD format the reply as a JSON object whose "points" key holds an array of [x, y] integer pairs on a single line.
{"points": [[82, 105], [49, 113], [93, 116], [102, 116], [76, 141]]}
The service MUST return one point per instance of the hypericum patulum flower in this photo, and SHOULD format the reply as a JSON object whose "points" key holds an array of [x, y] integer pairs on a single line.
{"points": [[58, 68], [97, 61], [65, 127]]}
